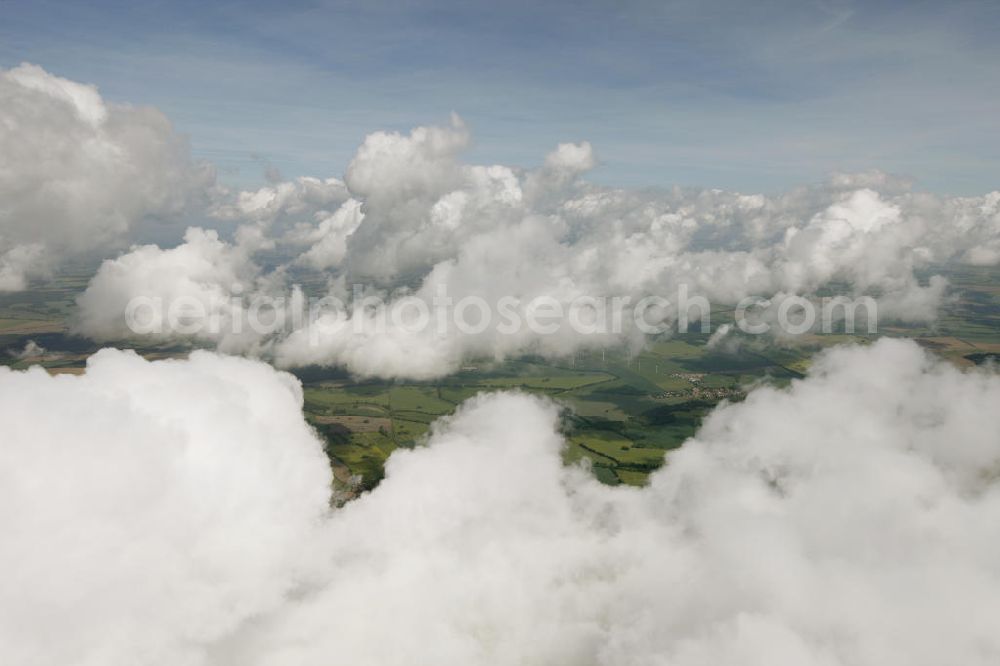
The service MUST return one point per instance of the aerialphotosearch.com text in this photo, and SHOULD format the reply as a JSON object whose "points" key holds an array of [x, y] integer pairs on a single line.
{"points": [[369, 312]]}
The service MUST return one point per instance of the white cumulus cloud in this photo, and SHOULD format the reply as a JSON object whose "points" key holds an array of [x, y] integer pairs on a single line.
{"points": [[848, 519], [78, 172], [411, 220], [175, 515], [164, 505]]}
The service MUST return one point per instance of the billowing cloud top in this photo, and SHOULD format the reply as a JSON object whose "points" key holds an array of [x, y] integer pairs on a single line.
{"points": [[175, 515], [411, 213], [78, 172], [166, 505], [411, 219]]}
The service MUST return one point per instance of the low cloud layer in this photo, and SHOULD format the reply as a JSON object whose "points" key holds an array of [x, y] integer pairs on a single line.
{"points": [[201, 270], [847, 520], [164, 505], [411, 219], [175, 516], [79, 173]]}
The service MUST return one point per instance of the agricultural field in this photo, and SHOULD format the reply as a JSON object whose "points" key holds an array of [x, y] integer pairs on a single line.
{"points": [[622, 412]]}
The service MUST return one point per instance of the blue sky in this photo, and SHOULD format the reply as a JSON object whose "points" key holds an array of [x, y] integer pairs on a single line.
{"points": [[753, 96]]}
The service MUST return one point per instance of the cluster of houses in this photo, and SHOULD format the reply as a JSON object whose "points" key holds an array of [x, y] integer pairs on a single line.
{"points": [[716, 393], [699, 391]]}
